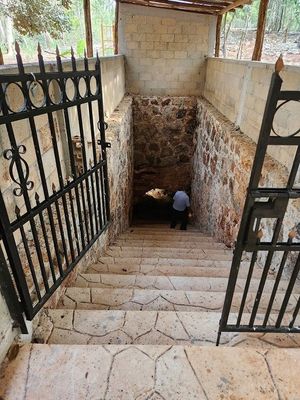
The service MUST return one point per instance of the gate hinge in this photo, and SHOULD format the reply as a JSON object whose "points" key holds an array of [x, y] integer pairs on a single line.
{"points": [[104, 144]]}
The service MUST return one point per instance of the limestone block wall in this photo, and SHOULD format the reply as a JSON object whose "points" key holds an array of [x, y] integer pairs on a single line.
{"points": [[164, 129], [165, 50], [221, 169], [238, 89]]}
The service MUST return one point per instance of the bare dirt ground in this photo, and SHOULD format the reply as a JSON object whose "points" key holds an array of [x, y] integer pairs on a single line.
{"points": [[274, 45]]}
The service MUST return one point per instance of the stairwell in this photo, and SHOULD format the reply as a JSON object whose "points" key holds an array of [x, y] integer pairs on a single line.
{"points": [[142, 323]]}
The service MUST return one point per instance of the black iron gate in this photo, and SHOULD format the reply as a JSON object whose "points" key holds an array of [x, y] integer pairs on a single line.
{"points": [[277, 310], [54, 203]]}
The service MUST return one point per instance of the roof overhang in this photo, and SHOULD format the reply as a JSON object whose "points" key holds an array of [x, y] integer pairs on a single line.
{"points": [[210, 7]]}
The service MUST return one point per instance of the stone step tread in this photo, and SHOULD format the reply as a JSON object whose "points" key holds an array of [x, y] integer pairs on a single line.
{"points": [[163, 226], [167, 300], [127, 372], [131, 243], [62, 326], [165, 259], [175, 270], [215, 284], [167, 251], [166, 237]]}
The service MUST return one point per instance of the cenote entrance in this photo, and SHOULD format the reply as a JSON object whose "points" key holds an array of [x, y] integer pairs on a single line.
{"points": [[164, 143]]}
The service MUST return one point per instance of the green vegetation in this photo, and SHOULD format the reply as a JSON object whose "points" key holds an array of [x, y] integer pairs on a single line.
{"points": [[53, 22], [283, 15]]}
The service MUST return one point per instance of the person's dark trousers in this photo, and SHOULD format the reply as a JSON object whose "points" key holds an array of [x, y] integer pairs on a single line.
{"points": [[179, 216]]}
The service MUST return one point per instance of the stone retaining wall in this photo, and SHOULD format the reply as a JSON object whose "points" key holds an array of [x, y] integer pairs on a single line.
{"points": [[221, 170], [164, 129]]}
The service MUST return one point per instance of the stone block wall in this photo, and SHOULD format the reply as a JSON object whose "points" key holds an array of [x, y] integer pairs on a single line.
{"points": [[221, 170], [165, 50], [164, 129], [239, 89]]}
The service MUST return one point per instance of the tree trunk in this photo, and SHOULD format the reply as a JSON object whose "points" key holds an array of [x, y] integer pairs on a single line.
{"points": [[88, 27]]}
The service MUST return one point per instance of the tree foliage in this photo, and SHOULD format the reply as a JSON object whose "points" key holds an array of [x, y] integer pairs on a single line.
{"points": [[32, 17], [282, 15]]}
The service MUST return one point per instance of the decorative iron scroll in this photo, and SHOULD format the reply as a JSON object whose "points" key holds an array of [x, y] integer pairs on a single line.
{"points": [[14, 154]]}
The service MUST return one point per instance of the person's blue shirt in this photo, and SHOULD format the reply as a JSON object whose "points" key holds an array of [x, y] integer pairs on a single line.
{"points": [[181, 201]]}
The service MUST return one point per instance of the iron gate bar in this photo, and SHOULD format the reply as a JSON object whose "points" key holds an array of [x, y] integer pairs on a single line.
{"points": [[254, 211], [80, 220], [102, 127], [96, 209], [70, 146], [90, 221]]}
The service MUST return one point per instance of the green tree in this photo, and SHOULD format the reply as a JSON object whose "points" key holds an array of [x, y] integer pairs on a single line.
{"points": [[31, 17]]}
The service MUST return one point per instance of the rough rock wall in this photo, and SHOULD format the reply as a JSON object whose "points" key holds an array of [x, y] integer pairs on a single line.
{"points": [[221, 169], [164, 129], [120, 166]]}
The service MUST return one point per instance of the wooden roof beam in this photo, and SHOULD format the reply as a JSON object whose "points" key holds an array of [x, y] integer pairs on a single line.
{"points": [[168, 7], [196, 6], [235, 4]]}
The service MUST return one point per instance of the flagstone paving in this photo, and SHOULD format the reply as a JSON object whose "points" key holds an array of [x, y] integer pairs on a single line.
{"points": [[109, 372]]}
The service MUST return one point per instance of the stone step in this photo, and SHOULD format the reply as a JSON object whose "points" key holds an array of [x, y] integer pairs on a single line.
{"points": [[167, 237], [215, 284], [192, 260], [67, 327], [150, 244], [204, 270], [175, 252], [170, 234], [150, 372], [159, 300], [163, 227]]}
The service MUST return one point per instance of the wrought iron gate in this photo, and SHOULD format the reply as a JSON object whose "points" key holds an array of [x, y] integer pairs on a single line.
{"points": [[55, 203], [269, 204]]}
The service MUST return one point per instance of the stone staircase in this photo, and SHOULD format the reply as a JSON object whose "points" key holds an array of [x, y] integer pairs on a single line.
{"points": [[153, 294]]}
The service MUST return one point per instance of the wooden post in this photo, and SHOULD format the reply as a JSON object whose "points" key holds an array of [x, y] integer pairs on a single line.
{"points": [[218, 36], [116, 29], [88, 27], [1, 58], [260, 34]]}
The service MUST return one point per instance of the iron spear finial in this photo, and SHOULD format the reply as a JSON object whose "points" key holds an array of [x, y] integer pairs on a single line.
{"points": [[279, 64]]}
